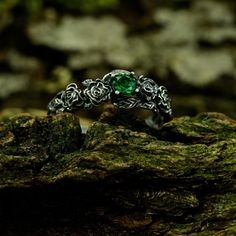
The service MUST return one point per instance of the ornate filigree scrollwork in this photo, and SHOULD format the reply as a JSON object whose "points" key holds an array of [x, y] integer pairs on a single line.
{"points": [[141, 92]]}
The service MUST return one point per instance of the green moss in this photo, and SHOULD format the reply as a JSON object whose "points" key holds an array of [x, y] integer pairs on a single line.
{"points": [[17, 170], [189, 187]]}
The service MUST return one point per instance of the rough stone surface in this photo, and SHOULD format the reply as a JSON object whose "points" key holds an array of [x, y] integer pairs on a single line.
{"points": [[179, 180]]}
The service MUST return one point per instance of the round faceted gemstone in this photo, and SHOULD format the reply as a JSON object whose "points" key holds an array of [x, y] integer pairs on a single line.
{"points": [[125, 83]]}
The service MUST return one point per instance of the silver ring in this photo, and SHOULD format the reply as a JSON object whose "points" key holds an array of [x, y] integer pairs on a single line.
{"points": [[123, 88]]}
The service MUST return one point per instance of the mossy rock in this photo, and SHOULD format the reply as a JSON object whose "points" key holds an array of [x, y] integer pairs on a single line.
{"points": [[179, 180]]}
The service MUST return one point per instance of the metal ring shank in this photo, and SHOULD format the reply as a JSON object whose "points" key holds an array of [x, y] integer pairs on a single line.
{"points": [[147, 95]]}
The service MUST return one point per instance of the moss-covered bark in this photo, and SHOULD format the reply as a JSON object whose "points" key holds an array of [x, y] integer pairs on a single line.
{"points": [[179, 180]]}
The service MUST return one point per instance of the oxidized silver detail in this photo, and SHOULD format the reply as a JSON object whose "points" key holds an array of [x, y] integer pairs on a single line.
{"points": [[147, 95], [148, 88], [96, 92]]}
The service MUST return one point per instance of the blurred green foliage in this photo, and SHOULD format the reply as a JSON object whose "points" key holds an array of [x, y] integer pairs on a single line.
{"points": [[30, 6], [7, 4], [33, 6], [86, 6]]}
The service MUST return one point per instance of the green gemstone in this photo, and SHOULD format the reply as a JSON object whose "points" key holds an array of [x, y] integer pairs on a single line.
{"points": [[124, 83]]}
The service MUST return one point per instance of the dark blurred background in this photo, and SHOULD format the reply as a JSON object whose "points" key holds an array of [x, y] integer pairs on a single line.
{"points": [[187, 45]]}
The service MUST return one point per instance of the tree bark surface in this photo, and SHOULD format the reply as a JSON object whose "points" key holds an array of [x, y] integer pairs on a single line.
{"points": [[117, 180]]}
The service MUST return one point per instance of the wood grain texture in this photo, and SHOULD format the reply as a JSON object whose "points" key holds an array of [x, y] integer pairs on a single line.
{"points": [[114, 180]]}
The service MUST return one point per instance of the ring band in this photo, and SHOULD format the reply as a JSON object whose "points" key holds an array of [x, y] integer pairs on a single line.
{"points": [[123, 88]]}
